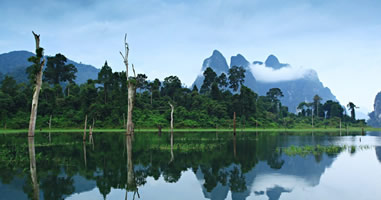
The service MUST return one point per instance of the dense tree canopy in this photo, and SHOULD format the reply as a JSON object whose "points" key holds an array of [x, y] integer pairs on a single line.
{"points": [[236, 77], [105, 102], [58, 71]]}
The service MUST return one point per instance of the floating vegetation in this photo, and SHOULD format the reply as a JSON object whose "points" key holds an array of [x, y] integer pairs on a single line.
{"points": [[318, 149]]}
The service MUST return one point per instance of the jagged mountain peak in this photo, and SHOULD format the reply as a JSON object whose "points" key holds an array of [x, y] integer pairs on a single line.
{"points": [[239, 61], [217, 62], [273, 62], [217, 53], [295, 90]]}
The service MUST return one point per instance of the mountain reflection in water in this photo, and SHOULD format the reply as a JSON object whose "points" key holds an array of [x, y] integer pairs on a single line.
{"points": [[192, 166]]}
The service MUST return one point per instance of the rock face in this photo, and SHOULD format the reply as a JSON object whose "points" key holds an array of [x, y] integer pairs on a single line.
{"points": [[273, 62], [294, 91], [375, 116], [217, 62], [15, 63]]}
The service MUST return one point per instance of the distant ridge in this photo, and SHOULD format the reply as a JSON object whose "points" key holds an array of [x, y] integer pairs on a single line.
{"points": [[15, 63]]}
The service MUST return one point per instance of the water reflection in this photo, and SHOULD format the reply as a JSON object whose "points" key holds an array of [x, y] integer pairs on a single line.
{"points": [[84, 153], [33, 168], [378, 153], [269, 166], [131, 183], [172, 156]]}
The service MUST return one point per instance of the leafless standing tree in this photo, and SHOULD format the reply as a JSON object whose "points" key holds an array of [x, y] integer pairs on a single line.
{"points": [[172, 109], [131, 85], [38, 83]]}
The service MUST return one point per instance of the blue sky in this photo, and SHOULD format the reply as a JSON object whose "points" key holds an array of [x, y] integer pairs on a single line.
{"points": [[340, 39]]}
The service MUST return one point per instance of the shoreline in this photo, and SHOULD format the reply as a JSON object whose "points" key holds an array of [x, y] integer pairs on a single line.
{"points": [[164, 130]]}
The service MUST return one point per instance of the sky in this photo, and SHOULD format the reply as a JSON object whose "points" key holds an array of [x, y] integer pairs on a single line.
{"points": [[340, 39]]}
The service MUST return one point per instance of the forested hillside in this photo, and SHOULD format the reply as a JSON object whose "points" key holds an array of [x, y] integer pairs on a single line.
{"points": [[104, 101]]}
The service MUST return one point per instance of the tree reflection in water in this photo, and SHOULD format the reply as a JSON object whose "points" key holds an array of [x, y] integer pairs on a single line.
{"points": [[33, 168], [209, 156], [131, 183]]}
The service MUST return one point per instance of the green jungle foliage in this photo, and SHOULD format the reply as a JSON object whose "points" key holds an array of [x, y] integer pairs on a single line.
{"points": [[104, 101]]}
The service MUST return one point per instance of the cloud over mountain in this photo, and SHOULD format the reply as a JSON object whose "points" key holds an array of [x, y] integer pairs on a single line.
{"points": [[287, 73]]}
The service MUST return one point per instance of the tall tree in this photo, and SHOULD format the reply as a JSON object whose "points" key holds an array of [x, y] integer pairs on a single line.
{"points": [[351, 106], [236, 77], [302, 107], [215, 92], [317, 100], [194, 89], [141, 82], [333, 109], [273, 95], [35, 72], [222, 81], [57, 71], [247, 101], [209, 78], [171, 86], [155, 89], [105, 78]]}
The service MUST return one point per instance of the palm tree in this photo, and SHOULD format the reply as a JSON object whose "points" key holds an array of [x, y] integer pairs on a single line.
{"points": [[351, 106]]}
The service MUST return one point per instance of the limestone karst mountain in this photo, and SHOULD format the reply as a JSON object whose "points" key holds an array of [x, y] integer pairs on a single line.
{"points": [[295, 91], [375, 115]]}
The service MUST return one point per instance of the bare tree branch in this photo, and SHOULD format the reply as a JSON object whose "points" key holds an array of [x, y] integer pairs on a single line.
{"points": [[133, 69]]}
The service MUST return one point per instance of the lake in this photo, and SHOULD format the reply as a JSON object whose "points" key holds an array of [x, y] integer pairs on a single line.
{"points": [[210, 165]]}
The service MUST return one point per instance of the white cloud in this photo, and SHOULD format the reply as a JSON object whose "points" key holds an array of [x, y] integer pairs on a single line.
{"points": [[288, 73]]}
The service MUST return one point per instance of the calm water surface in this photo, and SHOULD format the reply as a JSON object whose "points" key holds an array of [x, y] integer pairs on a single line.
{"points": [[197, 166]]}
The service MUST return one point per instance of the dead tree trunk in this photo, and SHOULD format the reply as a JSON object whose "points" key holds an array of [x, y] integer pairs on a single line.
{"points": [[172, 109], [131, 99], [159, 129], [50, 127], [234, 125], [50, 122], [312, 118], [234, 147], [84, 132], [124, 121], [38, 83], [131, 89], [91, 135]]}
